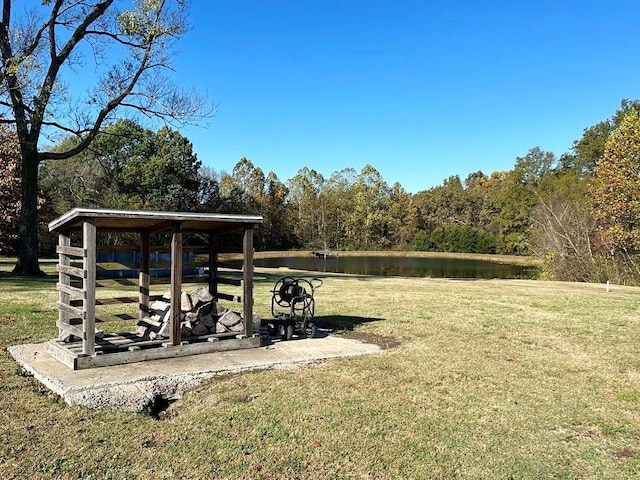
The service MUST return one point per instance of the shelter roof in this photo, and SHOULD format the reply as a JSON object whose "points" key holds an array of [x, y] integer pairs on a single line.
{"points": [[138, 220]]}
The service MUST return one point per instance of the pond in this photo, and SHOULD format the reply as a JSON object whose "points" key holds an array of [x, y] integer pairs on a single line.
{"points": [[435, 267]]}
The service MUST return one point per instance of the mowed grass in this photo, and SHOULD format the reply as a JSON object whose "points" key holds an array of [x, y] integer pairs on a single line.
{"points": [[491, 380]]}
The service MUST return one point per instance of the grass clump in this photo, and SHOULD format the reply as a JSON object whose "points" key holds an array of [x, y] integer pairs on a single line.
{"points": [[486, 379]]}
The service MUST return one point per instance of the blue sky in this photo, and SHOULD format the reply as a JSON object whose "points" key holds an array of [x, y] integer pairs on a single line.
{"points": [[421, 90]]}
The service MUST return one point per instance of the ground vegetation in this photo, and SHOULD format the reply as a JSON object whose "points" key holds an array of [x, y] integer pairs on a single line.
{"points": [[495, 379]]}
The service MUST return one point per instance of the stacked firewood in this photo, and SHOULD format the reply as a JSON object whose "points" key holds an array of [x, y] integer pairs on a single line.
{"points": [[200, 315]]}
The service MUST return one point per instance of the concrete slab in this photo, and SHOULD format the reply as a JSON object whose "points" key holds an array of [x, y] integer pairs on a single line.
{"points": [[141, 387]]}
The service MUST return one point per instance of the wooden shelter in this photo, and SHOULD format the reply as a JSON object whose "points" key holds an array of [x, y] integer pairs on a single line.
{"points": [[77, 284]]}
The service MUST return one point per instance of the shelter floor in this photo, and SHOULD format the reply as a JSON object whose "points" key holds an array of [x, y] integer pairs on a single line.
{"points": [[139, 387]]}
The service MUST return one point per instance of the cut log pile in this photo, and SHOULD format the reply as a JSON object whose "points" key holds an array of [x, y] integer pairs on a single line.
{"points": [[200, 315]]}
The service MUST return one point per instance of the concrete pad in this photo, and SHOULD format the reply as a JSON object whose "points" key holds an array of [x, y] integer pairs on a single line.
{"points": [[140, 387]]}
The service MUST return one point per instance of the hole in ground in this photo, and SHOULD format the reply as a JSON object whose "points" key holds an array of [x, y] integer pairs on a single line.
{"points": [[157, 407]]}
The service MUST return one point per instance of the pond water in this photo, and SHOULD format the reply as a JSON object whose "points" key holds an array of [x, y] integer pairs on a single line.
{"points": [[404, 266]]}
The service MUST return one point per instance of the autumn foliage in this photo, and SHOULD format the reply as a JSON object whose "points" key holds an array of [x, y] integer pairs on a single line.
{"points": [[616, 188], [9, 191]]}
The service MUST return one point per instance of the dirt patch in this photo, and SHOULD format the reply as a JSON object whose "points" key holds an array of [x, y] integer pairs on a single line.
{"points": [[383, 341], [625, 452]]}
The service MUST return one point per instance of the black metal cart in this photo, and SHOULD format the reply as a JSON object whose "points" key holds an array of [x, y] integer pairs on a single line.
{"points": [[293, 307]]}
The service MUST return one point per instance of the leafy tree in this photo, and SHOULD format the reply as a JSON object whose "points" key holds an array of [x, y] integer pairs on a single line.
{"points": [[9, 190], [421, 241], [249, 182], [403, 217], [476, 190], [42, 50], [305, 192], [276, 231], [167, 179], [458, 238], [337, 195], [616, 190], [209, 193], [127, 166], [368, 222], [247, 190], [589, 149], [80, 181], [515, 201], [442, 205], [117, 147]]}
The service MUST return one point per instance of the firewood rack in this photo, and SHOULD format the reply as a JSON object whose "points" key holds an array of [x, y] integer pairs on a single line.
{"points": [[77, 281]]}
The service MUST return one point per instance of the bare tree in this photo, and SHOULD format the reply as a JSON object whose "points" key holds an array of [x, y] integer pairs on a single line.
{"points": [[565, 229], [49, 51]]}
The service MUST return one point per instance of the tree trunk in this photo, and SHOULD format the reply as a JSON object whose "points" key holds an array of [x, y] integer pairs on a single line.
{"points": [[27, 263]]}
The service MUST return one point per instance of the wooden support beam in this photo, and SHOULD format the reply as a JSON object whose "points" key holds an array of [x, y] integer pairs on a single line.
{"points": [[176, 282], [89, 286], [162, 226], [247, 281], [213, 265], [144, 280]]}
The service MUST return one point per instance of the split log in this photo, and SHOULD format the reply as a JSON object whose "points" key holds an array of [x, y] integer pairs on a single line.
{"points": [[199, 329], [208, 320], [229, 322], [200, 296], [200, 314], [186, 305]]}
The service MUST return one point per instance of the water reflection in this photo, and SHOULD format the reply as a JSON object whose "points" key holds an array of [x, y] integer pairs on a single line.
{"points": [[404, 266]]}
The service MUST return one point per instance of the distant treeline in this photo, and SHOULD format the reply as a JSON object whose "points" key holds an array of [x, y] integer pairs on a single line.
{"points": [[580, 211]]}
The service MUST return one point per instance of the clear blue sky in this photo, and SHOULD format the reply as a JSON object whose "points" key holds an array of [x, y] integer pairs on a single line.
{"points": [[421, 90]]}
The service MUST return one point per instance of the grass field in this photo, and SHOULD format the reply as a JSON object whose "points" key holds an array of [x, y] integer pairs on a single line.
{"points": [[494, 379]]}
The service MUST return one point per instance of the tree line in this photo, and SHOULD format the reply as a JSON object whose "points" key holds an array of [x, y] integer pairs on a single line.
{"points": [[579, 211]]}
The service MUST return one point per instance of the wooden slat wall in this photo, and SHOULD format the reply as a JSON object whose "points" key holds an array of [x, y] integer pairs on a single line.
{"points": [[69, 314], [64, 283]]}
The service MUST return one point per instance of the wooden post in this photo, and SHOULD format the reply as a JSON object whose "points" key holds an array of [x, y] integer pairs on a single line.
{"points": [[64, 279], [89, 287], [247, 282], [176, 282], [213, 265], [144, 281]]}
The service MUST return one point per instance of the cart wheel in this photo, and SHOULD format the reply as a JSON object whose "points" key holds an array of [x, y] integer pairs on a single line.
{"points": [[286, 331], [289, 332], [311, 330], [271, 328]]}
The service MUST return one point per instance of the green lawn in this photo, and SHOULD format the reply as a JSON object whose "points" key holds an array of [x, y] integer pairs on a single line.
{"points": [[490, 379]]}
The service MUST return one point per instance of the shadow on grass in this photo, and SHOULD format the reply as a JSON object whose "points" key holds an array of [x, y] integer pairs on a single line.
{"points": [[334, 323], [345, 326], [10, 280]]}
